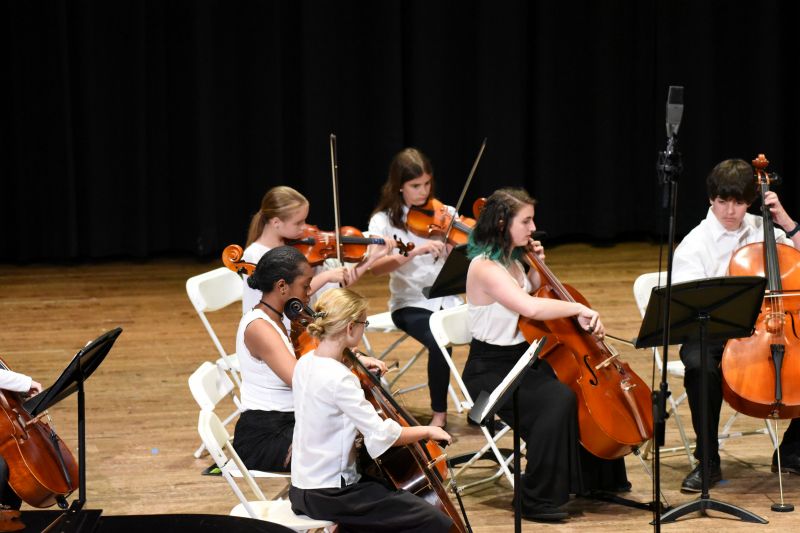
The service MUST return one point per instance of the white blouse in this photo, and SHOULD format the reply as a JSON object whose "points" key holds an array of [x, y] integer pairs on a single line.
{"points": [[495, 323], [329, 408], [14, 381], [251, 297], [406, 282], [262, 389]]}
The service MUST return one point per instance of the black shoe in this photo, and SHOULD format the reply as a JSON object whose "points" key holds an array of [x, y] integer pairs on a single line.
{"points": [[790, 463], [694, 481], [545, 514]]}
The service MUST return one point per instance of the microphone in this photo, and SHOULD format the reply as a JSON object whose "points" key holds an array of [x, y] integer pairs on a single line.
{"points": [[295, 309], [674, 109]]}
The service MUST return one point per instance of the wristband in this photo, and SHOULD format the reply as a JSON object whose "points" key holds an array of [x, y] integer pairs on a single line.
{"points": [[791, 234]]}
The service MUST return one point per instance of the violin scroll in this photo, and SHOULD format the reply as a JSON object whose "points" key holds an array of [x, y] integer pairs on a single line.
{"points": [[232, 258]]}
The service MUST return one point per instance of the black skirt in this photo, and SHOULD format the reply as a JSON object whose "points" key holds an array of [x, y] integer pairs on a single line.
{"points": [[557, 465], [263, 439]]}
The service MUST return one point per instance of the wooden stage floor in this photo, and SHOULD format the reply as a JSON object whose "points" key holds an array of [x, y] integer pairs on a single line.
{"points": [[141, 418]]}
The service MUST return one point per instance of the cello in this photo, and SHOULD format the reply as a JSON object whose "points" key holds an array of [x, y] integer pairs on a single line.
{"points": [[761, 373], [614, 406], [42, 470]]}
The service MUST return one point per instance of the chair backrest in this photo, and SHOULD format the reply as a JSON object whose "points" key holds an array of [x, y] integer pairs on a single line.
{"points": [[210, 384], [450, 327], [212, 291], [642, 289], [218, 442]]}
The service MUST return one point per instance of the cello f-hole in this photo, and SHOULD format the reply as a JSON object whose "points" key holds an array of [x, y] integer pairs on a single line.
{"points": [[592, 381]]}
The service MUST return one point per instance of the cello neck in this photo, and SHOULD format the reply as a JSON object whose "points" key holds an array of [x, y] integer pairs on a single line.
{"points": [[771, 265]]}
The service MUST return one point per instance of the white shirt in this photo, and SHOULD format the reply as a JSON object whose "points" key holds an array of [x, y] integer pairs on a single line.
{"points": [[262, 389], [14, 381], [406, 282], [251, 297], [706, 251], [495, 323], [329, 409]]}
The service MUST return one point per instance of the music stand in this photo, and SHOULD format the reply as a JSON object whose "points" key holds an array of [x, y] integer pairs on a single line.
{"points": [[452, 278], [714, 309], [83, 364], [487, 404]]}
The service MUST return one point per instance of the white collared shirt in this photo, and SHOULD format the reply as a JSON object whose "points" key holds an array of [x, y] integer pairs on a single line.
{"points": [[407, 281], [329, 408], [706, 251]]}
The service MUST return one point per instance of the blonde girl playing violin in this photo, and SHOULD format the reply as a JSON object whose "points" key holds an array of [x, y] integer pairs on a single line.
{"points": [[281, 218], [410, 184], [330, 409]]}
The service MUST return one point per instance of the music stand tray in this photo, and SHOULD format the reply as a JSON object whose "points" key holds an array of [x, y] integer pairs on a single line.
{"points": [[706, 310]]}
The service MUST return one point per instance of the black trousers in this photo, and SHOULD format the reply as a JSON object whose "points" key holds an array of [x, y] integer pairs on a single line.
{"points": [[8, 498], [370, 506], [557, 465], [263, 439], [690, 355], [415, 322]]}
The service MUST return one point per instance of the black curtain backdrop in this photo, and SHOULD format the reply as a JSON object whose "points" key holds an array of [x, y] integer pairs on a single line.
{"points": [[149, 127]]}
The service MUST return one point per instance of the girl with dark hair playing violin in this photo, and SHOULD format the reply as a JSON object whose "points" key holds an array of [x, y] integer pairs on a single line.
{"points": [[282, 218], [409, 185], [331, 408], [498, 293], [263, 433]]}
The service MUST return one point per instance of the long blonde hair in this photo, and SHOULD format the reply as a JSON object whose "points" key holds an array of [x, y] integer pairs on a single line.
{"points": [[337, 308], [279, 202]]}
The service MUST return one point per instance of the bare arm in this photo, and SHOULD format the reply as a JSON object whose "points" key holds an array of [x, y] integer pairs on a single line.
{"points": [[411, 434], [266, 344]]}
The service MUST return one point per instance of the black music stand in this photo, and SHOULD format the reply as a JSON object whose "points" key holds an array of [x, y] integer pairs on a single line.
{"points": [[452, 278], [83, 364], [715, 309]]}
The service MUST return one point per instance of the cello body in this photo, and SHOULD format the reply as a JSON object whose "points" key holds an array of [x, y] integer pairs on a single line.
{"points": [[614, 404], [42, 470], [761, 373]]}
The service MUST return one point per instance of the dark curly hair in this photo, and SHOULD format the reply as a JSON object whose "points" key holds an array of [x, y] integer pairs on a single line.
{"points": [[732, 178], [490, 236], [281, 263]]}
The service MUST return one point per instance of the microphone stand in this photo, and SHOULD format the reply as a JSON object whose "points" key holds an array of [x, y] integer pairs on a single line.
{"points": [[669, 168]]}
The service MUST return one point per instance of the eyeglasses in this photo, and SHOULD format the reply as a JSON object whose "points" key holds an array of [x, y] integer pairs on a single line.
{"points": [[365, 322]]}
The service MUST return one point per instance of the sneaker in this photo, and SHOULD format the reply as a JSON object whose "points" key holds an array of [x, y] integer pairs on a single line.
{"points": [[790, 463], [694, 481]]}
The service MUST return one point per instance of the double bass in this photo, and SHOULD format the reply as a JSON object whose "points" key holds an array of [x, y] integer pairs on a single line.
{"points": [[42, 469], [761, 373], [614, 406]]}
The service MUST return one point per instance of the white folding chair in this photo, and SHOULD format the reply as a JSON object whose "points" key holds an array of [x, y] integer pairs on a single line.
{"points": [[382, 323], [212, 291], [450, 327], [209, 385], [218, 441], [642, 288]]}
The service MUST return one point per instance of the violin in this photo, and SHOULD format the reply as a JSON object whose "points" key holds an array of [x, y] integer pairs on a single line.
{"points": [[319, 245], [432, 221], [302, 341], [761, 373], [42, 469], [614, 407]]}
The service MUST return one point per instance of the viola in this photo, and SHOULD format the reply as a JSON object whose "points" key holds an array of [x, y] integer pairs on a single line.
{"points": [[42, 469], [302, 341], [319, 245], [761, 373], [614, 407], [432, 221]]}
